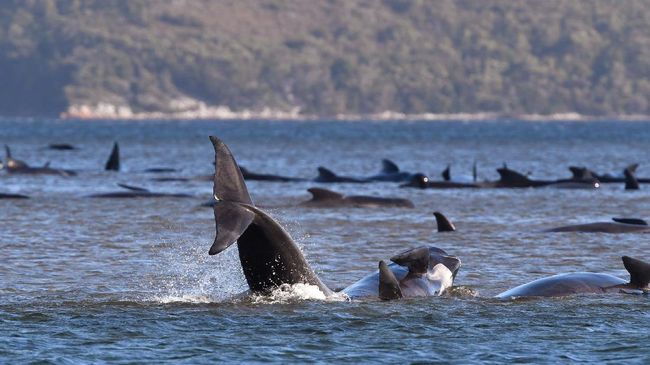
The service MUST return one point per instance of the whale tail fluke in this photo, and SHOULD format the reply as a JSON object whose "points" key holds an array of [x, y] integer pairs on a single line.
{"points": [[388, 285], [639, 271], [232, 217], [319, 194], [113, 162], [444, 224], [389, 167], [631, 183]]}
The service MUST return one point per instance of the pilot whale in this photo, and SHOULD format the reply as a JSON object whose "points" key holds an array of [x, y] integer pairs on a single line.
{"points": [[324, 198], [136, 192], [619, 225], [270, 258], [250, 176], [15, 166], [586, 283]]}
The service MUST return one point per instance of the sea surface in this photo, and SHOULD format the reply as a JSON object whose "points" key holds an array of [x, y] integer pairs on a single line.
{"points": [[121, 281]]}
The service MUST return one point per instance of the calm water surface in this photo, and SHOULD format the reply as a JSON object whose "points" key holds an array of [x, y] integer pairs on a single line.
{"points": [[87, 280]]}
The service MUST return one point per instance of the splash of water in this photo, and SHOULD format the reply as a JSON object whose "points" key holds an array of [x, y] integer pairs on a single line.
{"points": [[296, 292]]}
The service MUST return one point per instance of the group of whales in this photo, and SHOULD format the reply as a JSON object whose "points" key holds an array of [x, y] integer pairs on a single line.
{"points": [[270, 258]]}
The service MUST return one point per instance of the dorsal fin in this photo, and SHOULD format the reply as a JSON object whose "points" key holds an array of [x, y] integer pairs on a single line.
{"points": [[47, 164], [446, 173], [133, 188], [7, 152], [389, 167], [580, 173], [444, 224], [324, 194], [639, 271], [113, 162], [636, 221], [388, 285], [633, 167], [416, 260], [512, 176], [228, 180], [325, 174], [631, 182]]}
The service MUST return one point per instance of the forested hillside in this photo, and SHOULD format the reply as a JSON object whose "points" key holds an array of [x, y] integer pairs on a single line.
{"points": [[326, 57]]}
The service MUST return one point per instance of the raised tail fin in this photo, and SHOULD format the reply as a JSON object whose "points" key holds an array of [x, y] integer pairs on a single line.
{"points": [[231, 214], [229, 183], [113, 162]]}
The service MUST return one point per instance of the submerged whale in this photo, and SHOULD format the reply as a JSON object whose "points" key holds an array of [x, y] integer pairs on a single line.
{"points": [[586, 282], [136, 192], [619, 225], [13, 196], [250, 176], [270, 258], [15, 166], [390, 172], [62, 147], [323, 198]]}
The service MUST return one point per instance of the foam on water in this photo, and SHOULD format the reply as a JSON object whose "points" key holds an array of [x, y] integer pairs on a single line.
{"points": [[296, 292]]}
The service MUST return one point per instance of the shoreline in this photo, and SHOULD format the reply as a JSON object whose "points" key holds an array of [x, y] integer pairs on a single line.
{"points": [[200, 111]]}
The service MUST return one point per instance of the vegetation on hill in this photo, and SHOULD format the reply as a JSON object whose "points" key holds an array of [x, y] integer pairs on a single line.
{"points": [[327, 57]]}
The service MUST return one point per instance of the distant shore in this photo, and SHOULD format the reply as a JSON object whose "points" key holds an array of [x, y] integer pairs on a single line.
{"points": [[203, 112]]}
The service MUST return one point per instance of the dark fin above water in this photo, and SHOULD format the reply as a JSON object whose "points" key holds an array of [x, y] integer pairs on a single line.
{"points": [[389, 167], [633, 167], [416, 260], [324, 194], [232, 219], [580, 173], [636, 221], [639, 271], [444, 224], [631, 182], [325, 174], [113, 162], [228, 180], [446, 173], [62, 147], [7, 152], [133, 188], [388, 285], [512, 176]]}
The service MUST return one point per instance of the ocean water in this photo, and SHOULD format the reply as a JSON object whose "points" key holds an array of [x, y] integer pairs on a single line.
{"points": [[86, 280]]}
